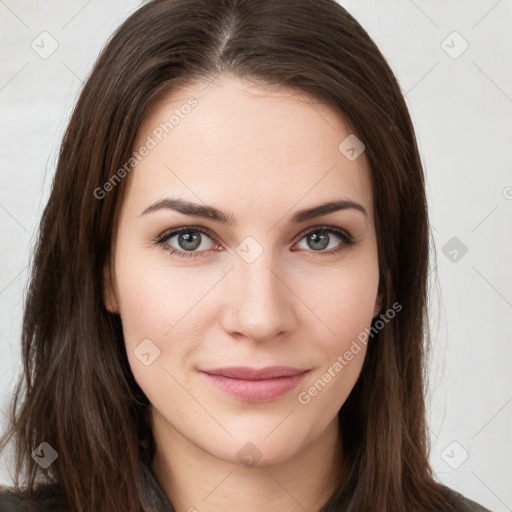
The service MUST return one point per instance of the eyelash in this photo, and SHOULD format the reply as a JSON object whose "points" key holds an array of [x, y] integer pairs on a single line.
{"points": [[160, 240]]}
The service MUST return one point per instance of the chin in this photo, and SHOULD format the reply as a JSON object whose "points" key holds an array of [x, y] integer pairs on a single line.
{"points": [[256, 450]]}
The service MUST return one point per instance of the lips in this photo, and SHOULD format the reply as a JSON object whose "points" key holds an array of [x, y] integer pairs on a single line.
{"points": [[255, 385], [247, 373]]}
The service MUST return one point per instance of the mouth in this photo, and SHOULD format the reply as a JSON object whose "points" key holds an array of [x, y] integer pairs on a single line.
{"points": [[255, 385]]}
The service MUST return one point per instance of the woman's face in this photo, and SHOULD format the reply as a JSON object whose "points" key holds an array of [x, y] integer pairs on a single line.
{"points": [[273, 287]]}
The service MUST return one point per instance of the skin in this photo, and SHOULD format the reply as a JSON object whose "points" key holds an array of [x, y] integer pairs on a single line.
{"points": [[260, 154]]}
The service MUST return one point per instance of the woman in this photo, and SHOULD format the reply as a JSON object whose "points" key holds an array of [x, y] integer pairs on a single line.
{"points": [[228, 295]]}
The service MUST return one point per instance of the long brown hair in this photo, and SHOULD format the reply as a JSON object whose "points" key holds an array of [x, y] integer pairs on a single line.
{"points": [[77, 392]]}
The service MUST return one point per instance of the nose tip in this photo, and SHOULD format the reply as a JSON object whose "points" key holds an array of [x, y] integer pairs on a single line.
{"points": [[260, 305]]}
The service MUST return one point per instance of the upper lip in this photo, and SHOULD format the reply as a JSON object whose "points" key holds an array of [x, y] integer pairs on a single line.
{"points": [[248, 373]]}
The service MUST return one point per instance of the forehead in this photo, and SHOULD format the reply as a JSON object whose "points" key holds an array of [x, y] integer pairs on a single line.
{"points": [[246, 144]]}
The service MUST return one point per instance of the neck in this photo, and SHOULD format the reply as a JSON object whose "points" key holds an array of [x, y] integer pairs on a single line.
{"points": [[193, 480]]}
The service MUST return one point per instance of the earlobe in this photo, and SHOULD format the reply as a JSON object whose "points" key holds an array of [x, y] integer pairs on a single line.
{"points": [[378, 301], [377, 308], [109, 296]]}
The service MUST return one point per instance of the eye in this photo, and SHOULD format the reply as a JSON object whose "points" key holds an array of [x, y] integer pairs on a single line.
{"points": [[191, 241], [324, 237]]}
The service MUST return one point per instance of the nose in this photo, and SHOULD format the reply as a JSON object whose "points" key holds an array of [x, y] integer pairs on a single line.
{"points": [[259, 304]]}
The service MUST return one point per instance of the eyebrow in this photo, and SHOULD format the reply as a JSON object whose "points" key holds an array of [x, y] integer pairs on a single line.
{"points": [[210, 212]]}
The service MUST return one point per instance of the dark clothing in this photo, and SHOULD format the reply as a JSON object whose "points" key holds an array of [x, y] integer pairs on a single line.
{"points": [[48, 499]]}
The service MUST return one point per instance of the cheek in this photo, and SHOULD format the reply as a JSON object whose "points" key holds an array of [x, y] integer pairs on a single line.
{"points": [[159, 308], [344, 304], [346, 309], [156, 300], [342, 299]]}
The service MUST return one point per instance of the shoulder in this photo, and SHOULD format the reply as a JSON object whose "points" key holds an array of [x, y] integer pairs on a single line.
{"points": [[473, 506], [45, 498], [469, 505], [48, 498], [9, 500]]}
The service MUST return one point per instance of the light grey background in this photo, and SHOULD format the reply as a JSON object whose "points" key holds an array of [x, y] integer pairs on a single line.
{"points": [[461, 106]]}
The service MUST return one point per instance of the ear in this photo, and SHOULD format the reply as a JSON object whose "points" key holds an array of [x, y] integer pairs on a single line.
{"points": [[378, 305], [378, 301], [109, 296]]}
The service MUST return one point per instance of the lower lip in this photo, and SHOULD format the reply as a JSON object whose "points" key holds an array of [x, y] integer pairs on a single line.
{"points": [[256, 390]]}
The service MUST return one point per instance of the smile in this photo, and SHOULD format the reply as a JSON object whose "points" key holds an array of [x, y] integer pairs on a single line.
{"points": [[256, 385]]}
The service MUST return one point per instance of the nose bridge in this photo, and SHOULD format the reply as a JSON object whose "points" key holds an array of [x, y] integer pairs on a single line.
{"points": [[261, 306]]}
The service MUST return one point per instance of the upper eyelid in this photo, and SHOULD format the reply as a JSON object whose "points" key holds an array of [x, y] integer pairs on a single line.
{"points": [[171, 233], [326, 228]]}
